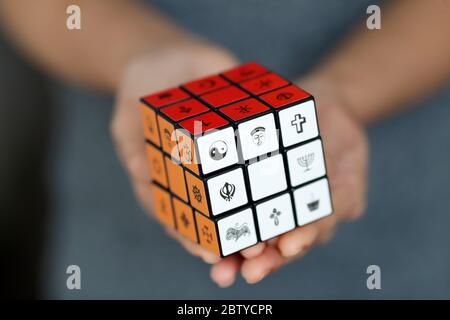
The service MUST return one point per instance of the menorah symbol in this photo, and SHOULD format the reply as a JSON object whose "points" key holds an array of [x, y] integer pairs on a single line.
{"points": [[306, 161]]}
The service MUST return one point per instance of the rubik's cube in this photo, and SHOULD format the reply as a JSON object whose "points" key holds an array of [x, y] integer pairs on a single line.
{"points": [[235, 158]]}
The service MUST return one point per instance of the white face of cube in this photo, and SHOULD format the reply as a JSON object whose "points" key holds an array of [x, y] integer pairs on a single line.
{"points": [[258, 136], [217, 150], [312, 202], [267, 177], [227, 191], [298, 123], [275, 216], [237, 232], [306, 163]]}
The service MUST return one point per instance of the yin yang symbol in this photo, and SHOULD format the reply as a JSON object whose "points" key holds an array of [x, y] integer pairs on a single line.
{"points": [[218, 150]]}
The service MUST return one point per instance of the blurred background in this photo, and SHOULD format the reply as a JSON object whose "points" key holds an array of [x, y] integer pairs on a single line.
{"points": [[64, 198]]}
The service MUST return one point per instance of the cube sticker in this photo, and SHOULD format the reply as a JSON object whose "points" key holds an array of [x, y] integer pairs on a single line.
{"points": [[306, 163], [275, 216], [185, 109], [312, 202], [184, 217], [267, 177], [244, 72], [217, 150], [227, 191], [207, 233], [156, 167], [165, 97], [285, 96], [163, 206], [150, 124], [298, 123], [237, 232], [244, 109], [206, 84], [257, 137], [175, 176], [265, 83]]}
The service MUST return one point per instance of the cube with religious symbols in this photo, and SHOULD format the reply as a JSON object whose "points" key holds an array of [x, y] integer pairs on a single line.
{"points": [[235, 158]]}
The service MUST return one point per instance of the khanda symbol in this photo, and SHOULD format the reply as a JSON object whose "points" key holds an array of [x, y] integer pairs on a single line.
{"points": [[227, 191]]}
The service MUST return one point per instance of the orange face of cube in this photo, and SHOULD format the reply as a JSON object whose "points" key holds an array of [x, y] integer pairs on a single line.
{"points": [[197, 193], [168, 138], [207, 233], [184, 217], [150, 124], [156, 165], [163, 206], [177, 184]]}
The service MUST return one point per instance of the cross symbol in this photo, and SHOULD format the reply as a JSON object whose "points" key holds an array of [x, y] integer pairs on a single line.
{"points": [[298, 122]]}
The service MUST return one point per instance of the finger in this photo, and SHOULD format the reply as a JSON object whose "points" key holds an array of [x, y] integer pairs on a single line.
{"points": [[272, 242], [127, 132], [194, 248], [326, 227], [299, 240], [224, 272], [255, 269], [347, 207], [253, 251], [144, 196]]}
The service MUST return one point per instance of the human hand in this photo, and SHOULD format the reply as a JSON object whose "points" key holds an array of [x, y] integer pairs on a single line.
{"points": [[167, 66], [346, 153]]}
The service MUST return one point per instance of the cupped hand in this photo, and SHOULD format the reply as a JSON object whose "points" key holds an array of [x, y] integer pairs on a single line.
{"points": [[346, 153], [169, 65]]}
